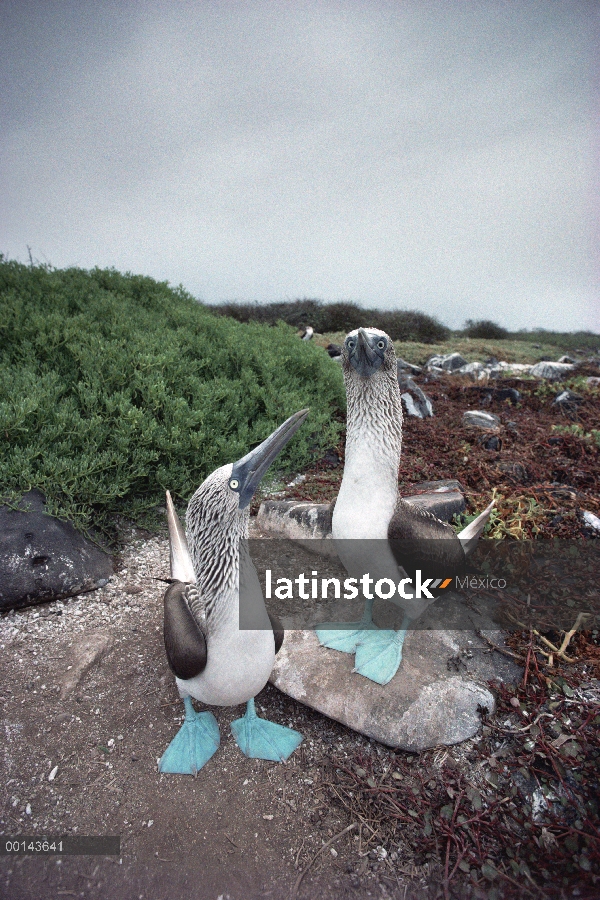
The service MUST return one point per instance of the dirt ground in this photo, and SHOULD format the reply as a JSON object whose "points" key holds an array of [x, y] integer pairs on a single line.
{"points": [[241, 829], [80, 745]]}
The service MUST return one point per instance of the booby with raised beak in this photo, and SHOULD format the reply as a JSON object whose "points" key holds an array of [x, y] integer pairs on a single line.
{"points": [[214, 660], [369, 508]]}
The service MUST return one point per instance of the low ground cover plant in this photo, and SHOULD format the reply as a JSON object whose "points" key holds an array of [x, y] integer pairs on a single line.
{"points": [[115, 387]]}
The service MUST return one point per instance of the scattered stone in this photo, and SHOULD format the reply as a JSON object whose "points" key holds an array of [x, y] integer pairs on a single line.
{"points": [[479, 419], [593, 381], [133, 589], [423, 706], [84, 653], [416, 402], [551, 371], [297, 521], [513, 469], [404, 367], [591, 520], [443, 499], [568, 401], [332, 458], [503, 394], [43, 558], [448, 363], [493, 442], [568, 359], [443, 486], [476, 369]]}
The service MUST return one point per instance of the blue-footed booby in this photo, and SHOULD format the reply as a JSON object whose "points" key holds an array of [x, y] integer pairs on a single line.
{"points": [[368, 507], [214, 660]]}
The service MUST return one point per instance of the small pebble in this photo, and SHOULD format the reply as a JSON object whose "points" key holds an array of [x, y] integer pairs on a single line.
{"points": [[52, 774]]}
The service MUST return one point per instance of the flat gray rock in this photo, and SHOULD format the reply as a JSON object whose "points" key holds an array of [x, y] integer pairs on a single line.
{"points": [[83, 654], [436, 697], [448, 363], [551, 371], [43, 558], [297, 521]]}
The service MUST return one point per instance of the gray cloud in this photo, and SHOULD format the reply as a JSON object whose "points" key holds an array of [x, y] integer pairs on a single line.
{"points": [[434, 156]]}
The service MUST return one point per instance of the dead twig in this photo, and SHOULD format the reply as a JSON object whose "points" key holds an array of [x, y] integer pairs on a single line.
{"points": [[499, 649], [332, 840]]}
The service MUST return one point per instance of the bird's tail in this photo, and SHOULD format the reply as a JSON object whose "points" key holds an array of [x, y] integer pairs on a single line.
{"points": [[181, 561], [470, 534]]}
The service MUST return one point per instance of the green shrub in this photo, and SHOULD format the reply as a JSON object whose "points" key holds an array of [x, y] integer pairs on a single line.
{"points": [[485, 329], [115, 387], [325, 318]]}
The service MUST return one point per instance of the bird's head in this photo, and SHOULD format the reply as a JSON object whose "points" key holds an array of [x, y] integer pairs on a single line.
{"points": [[218, 512], [367, 351]]}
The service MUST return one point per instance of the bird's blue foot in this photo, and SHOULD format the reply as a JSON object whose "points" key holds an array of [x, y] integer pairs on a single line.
{"points": [[379, 655], [344, 639], [193, 745], [260, 739], [346, 636]]}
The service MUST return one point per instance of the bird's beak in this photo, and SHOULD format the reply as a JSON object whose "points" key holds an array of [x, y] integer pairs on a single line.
{"points": [[249, 470], [365, 358], [181, 561]]}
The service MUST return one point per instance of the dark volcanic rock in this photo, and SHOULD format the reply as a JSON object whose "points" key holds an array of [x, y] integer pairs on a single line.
{"points": [[568, 401], [42, 558], [416, 402]]}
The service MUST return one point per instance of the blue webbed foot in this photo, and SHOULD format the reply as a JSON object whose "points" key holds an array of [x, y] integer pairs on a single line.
{"points": [[379, 655], [346, 636], [193, 745], [344, 639], [260, 739]]}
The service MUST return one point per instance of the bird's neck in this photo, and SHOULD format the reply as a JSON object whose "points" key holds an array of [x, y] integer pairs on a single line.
{"points": [[374, 422], [227, 581], [369, 489]]}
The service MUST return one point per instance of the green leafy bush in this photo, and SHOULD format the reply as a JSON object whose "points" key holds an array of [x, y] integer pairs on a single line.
{"points": [[115, 387]]}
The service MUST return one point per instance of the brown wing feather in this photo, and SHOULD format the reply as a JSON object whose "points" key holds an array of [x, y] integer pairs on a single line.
{"points": [[185, 642], [421, 539]]}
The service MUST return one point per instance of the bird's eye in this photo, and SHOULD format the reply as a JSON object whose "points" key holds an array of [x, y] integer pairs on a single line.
{"points": [[381, 344], [351, 344], [234, 484]]}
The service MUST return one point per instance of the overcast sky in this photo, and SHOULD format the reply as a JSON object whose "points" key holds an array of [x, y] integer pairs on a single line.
{"points": [[426, 155]]}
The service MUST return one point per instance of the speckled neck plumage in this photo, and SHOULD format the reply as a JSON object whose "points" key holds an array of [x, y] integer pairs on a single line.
{"points": [[374, 418], [215, 549]]}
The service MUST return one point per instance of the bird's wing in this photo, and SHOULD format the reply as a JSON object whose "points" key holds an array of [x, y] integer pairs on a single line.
{"points": [[185, 638], [421, 539]]}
